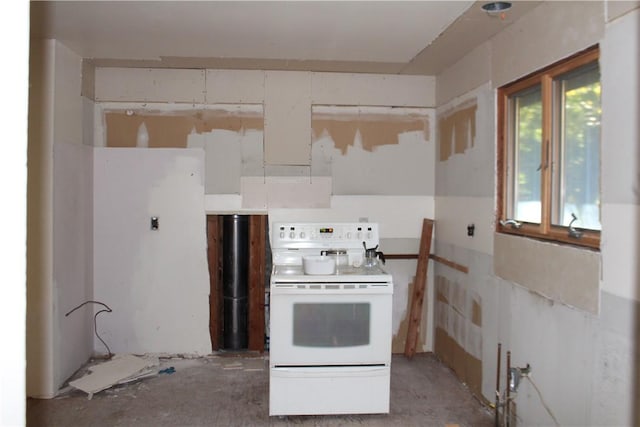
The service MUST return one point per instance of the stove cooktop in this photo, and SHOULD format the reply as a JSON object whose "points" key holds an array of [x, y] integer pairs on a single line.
{"points": [[297, 270]]}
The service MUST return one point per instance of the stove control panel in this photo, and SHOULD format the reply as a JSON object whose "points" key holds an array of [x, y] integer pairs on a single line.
{"points": [[324, 235]]}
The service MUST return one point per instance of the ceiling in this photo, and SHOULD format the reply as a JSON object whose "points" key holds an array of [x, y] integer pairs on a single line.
{"points": [[394, 37]]}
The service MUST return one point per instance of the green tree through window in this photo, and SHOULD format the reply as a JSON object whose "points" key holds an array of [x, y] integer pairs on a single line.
{"points": [[549, 152]]}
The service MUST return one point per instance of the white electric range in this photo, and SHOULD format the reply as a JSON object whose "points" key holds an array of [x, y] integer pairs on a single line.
{"points": [[330, 334]]}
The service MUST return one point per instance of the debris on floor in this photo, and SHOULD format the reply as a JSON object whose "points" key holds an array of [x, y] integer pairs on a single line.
{"points": [[202, 392], [232, 364], [254, 364], [120, 369]]}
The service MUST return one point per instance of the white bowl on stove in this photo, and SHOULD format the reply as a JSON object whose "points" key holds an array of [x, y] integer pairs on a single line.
{"points": [[318, 264]]}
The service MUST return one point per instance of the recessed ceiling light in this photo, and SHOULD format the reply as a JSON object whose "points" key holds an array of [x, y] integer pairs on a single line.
{"points": [[496, 6]]}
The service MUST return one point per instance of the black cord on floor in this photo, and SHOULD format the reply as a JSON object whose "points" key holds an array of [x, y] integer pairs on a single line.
{"points": [[95, 325]]}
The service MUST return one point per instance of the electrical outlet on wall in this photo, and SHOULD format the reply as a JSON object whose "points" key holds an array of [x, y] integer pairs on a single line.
{"points": [[471, 230]]}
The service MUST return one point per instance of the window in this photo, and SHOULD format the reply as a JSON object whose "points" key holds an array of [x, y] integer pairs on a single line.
{"points": [[549, 153]]}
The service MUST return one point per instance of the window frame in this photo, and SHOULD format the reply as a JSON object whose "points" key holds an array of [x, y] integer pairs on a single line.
{"points": [[545, 78]]}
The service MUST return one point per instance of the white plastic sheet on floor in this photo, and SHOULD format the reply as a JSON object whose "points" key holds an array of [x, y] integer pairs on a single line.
{"points": [[119, 370]]}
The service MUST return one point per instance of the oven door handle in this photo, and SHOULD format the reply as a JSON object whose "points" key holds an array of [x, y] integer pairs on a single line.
{"points": [[324, 371]]}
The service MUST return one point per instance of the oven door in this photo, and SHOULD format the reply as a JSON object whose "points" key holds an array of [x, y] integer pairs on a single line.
{"points": [[330, 327]]}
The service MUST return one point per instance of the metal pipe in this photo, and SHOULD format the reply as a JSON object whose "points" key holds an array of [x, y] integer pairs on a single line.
{"points": [[497, 420], [235, 282], [508, 394]]}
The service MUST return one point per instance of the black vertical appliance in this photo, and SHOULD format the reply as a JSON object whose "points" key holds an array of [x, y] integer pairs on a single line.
{"points": [[235, 282]]}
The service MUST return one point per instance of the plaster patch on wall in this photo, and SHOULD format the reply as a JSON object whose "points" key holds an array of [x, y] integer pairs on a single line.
{"points": [[228, 157], [458, 336], [560, 273], [375, 129], [376, 151], [171, 129], [466, 367], [457, 129], [158, 280]]}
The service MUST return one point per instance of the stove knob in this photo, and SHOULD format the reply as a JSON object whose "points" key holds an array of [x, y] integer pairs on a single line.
{"points": [[282, 234], [302, 234], [349, 235], [359, 235], [292, 235]]}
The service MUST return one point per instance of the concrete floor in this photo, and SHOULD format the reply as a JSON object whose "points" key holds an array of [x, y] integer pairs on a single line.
{"points": [[233, 391]]}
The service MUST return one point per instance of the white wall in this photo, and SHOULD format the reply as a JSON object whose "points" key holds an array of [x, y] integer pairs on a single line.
{"points": [[621, 133], [59, 217], [12, 170], [584, 362], [72, 253], [39, 375], [72, 220], [465, 196], [156, 282], [617, 396]]}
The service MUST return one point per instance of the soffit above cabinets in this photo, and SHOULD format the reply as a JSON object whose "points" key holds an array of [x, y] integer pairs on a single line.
{"points": [[389, 37]]}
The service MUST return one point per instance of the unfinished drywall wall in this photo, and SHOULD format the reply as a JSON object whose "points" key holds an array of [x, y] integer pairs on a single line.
{"points": [[72, 219], [164, 129], [617, 9], [287, 118], [233, 86], [466, 141], [466, 316], [278, 192], [59, 217], [559, 272], [558, 343], [458, 330], [470, 72], [455, 214], [377, 126], [125, 123], [88, 124], [576, 355], [374, 150], [87, 90], [39, 342], [232, 138], [372, 90], [621, 183], [457, 129], [465, 182], [230, 135], [230, 156], [616, 399], [72, 248], [156, 281], [394, 171], [149, 85], [550, 32]]}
